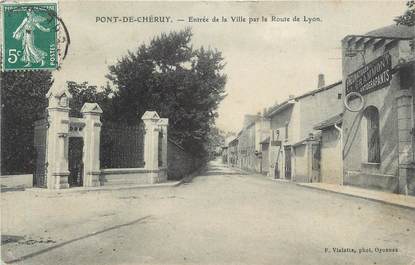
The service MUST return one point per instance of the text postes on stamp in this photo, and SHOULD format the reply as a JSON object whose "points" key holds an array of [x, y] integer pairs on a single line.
{"points": [[30, 36]]}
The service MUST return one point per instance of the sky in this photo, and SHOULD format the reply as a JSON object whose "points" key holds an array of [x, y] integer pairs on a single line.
{"points": [[265, 62]]}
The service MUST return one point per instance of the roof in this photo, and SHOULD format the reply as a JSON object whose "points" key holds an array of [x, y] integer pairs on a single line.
{"points": [[150, 115], [250, 120], [58, 92], [314, 138], [329, 122], [91, 108], [391, 34], [286, 104], [313, 92], [393, 31], [233, 141], [290, 102]]}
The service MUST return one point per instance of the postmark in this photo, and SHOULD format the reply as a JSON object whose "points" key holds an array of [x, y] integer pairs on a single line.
{"points": [[30, 36]]}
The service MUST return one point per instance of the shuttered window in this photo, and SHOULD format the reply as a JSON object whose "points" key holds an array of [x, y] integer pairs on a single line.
{"points": [[373, 141]]}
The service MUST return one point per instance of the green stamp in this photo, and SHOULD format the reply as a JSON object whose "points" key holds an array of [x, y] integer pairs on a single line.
{"points": [[30, 36]]}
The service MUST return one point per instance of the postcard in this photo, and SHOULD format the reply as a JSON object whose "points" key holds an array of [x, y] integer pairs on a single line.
{"points": [[207, 132]]}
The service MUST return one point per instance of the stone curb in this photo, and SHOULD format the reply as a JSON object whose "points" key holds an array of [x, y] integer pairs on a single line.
{"points": [[359, 196], [107, 188]]}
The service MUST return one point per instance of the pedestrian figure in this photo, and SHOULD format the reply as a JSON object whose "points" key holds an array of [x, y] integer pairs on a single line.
{"points": [[25, 32]]}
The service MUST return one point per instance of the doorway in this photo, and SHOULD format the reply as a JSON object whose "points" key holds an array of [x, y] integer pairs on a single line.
{"points": [[76, 166], [315, 163], [287, 151]]}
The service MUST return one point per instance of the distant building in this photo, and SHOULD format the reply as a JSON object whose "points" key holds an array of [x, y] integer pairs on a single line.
{"points": [[233, 153], [378, 133], [229, 137], [248, 144], [265, 156], [224, 154]]}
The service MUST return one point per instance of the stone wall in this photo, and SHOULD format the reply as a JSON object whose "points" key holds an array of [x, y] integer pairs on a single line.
{"points": [[299, 169], [331, 157], [265, 159], [179, 162], [16, 181]]}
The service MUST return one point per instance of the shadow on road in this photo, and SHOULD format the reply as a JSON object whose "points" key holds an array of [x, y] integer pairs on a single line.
{"points": [[73, 240], [6, 189], [6, 239], [220, 173]]}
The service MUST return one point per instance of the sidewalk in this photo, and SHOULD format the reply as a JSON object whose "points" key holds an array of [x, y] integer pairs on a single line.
{"points": [[374, 195]]}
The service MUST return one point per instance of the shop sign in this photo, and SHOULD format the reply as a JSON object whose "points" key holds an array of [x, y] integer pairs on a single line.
{"points": [[372, 76]]}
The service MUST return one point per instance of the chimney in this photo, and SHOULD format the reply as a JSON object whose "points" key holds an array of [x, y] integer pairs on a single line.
{"points": [[321, 82]]}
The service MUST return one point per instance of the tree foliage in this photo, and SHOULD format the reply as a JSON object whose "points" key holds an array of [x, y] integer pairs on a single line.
{"points": [[408, 18], [83, 92], [167, 75], [23, 102], [216, 139], [181, 83]]}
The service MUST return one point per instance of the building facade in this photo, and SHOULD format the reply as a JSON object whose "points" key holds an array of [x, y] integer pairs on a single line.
{"points": [[294, 143], [378, 123], [331, 156], [233, 153], [254, 131]]}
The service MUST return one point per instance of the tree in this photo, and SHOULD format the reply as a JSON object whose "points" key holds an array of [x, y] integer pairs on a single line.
{"points": [[408, 18], [181, 83], [83, 92], [216, 140], [23, 102]]}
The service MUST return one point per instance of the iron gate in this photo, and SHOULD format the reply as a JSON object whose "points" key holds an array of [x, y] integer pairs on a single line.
{"points": [[160, 148], [122, 146], [76, 167]]}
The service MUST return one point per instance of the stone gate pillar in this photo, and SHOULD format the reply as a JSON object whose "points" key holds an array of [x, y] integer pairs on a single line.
{"points": [[163, 127], [151, 119], [91, 112], [57, 138]]}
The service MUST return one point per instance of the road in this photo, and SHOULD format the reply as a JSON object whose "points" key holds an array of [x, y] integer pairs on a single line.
{"points": [[222, 216]]}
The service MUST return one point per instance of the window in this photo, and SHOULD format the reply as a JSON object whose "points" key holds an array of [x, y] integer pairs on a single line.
{"points": [[371, 115]]}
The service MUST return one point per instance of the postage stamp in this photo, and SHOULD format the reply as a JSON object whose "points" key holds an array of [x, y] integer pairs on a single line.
{"points": [[30, 36]]}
